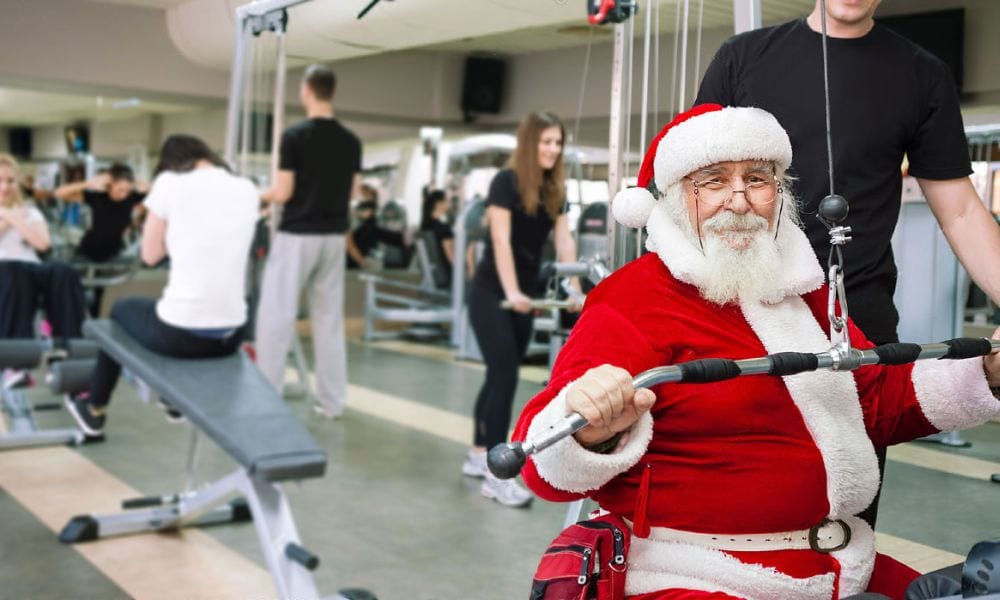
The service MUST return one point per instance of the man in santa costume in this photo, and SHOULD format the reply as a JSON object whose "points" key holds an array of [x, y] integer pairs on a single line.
{"points": [[745, 488]]}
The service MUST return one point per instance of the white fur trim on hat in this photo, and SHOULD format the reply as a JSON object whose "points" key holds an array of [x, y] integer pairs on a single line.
{"points": [[730, 134], [633, 206]]}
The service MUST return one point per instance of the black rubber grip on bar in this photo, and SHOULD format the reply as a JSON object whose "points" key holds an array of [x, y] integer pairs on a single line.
{"points": [[967, 347], [709, 369], [790, 363], [898, 353]]}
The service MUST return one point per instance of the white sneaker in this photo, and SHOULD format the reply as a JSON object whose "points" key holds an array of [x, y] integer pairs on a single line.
{"points": [[475, 464], [325, 413], [16, 378], [506, 491]]}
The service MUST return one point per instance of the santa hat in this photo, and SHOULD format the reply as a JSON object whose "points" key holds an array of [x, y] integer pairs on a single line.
{"points": [[705, 135]]}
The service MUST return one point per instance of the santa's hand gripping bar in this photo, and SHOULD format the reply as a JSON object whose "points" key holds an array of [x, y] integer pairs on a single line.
{"points": [[505, 460]]}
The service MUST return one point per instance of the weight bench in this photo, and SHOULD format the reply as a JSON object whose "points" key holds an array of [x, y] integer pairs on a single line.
{"points": [[115, 271], [20, 412], [393, 301], [228, 400]]}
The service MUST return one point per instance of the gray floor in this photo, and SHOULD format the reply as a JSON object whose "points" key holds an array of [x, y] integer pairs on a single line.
{"points": [[393, 513]]}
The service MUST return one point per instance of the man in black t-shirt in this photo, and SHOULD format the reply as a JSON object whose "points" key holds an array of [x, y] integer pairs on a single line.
{"points": [[319, 172], [888, 97]]}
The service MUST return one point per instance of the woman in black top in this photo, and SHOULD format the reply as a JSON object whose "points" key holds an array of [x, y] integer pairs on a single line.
{"points": [[113, 196], [434, 209], [526, 202]]}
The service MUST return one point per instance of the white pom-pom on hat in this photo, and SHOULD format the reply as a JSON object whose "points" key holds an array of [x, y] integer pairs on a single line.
{"points": [[632, 207]]}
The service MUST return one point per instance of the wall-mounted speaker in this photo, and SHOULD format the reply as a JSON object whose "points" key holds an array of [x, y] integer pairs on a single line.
{"points": [[482, 87], [19, 141]]}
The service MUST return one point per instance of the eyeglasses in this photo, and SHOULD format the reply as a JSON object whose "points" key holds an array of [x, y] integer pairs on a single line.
{"points": [[758, 190]]}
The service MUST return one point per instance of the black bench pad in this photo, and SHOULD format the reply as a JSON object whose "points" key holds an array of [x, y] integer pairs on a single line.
{"points": [[227, 399]]}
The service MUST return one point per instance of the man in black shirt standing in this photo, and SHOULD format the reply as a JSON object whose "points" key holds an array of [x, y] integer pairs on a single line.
{"points": [[318, 173], [888, 98]]}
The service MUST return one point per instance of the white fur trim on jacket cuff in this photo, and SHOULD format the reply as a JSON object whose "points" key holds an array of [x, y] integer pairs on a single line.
{"points": [[953, 393], [568, 466]]}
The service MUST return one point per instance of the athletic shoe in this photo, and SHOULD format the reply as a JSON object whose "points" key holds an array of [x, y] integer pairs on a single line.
{"points": [[173, 415], [325, 413], [17, 378], [506, 491], [78, 405], [475, 464]]}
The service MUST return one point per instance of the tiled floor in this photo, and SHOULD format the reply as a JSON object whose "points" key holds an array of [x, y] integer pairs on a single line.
{"points": [[393, 513]]}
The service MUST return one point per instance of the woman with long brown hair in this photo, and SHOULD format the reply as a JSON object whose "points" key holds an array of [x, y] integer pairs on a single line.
{"points": [[526, 202], [202, 217]]}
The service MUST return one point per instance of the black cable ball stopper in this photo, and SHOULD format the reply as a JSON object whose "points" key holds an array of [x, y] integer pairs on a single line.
{"points": [[833, 209], [505, 460]]}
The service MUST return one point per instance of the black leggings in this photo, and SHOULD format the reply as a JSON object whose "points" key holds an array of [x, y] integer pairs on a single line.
{"points": [[53, 286], [138, 317], [503, 337]]}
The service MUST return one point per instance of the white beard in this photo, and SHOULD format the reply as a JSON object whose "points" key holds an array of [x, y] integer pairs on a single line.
{"points": [[742, 260]]}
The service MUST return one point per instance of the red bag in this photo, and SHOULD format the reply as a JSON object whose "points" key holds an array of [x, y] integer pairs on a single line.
{"points": [[586, 561]]}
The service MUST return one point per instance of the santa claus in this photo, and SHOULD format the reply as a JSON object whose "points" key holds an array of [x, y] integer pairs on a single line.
{"points": [[745, 488]]}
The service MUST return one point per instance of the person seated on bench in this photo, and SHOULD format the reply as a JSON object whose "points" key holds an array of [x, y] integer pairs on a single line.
{"points": [[112, 196], [744, 488], [366, 237], [203, 217], [26, 284], [434, 210]]}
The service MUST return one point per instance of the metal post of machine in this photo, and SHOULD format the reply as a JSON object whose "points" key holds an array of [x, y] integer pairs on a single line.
{"points": [[746, 15], [244, 15], [236, 89], [279, 120], [619, 239]]}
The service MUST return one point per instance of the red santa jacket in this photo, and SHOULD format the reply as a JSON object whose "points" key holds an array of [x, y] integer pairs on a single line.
{"points": [[755, 454]]}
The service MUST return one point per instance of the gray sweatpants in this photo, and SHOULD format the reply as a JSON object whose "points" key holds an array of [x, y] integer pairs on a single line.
{"points": [[317, 262]]}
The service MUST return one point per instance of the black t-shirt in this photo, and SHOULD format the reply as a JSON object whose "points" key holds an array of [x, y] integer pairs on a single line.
{"points": [[108, 222], [528, 234], [324, 155], [441, 233], [888, 97]]}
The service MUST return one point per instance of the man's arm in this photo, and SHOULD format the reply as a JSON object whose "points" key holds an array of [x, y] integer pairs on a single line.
{"points": [[970, 229], [280, 191], [356, 187], [73, 192]]}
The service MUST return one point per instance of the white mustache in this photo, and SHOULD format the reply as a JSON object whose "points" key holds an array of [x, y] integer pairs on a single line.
{"points": [[730, 221]]}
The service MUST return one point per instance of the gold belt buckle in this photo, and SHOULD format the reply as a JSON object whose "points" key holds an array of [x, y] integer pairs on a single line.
{"points": [[814, 536]]}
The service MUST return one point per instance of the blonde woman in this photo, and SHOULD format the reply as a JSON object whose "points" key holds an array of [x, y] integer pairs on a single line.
{"points": [[24, 279]]}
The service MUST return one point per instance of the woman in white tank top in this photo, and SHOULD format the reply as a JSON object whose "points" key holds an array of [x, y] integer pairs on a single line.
{"points": [[201, 217]]}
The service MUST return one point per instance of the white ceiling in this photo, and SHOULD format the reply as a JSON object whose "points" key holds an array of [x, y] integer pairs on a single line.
{"points": [[144, 3], [33, 108]]}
